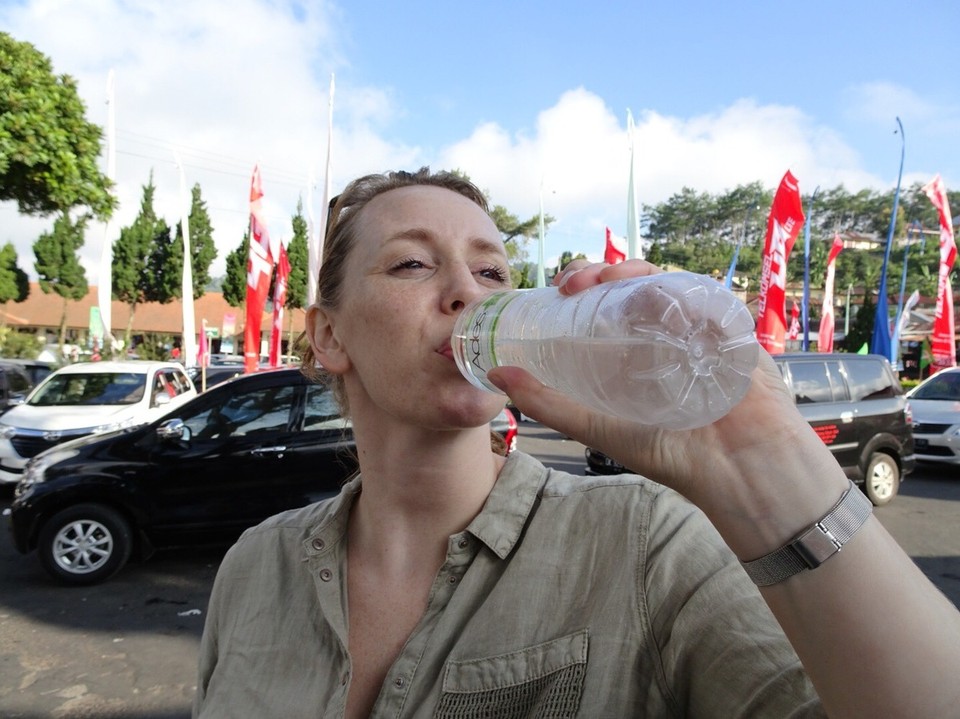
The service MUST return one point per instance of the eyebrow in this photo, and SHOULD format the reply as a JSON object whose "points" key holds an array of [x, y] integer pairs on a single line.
{"points": [[419, 234]]}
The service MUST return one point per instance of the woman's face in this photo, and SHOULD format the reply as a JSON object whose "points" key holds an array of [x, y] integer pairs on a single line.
{"points": [[421, 255]]}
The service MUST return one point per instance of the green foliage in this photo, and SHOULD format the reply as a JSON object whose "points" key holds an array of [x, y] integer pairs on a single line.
{"points": [[19, 345], [48, 151], [154, 346], [234, 285], [203, 250], [57, 259], [14, 282], [163, 280], [861, 328], [130, 273], [297, 254]]}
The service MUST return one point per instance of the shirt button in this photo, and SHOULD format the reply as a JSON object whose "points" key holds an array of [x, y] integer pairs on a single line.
{"points": [[463, 544], [318, 543], [398, 682], [326, 575], [452, 579]]}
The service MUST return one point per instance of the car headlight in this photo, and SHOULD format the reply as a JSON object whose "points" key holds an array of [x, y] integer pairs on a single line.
{"points": [[114, 426], [36, 469], [7, 431]]}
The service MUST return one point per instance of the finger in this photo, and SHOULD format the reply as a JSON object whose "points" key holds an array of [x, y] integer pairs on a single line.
{"points": [[536, 400]]}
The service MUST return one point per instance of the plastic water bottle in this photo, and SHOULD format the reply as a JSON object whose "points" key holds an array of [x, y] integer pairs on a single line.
{"points": [[675, 350]]}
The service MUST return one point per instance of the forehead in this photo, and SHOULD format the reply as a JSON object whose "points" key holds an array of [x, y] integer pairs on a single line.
{"points": [[434, 212]]}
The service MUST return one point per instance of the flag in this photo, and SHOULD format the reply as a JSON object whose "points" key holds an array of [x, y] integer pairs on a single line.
{"points": [[864, 349], [825, 333], [259, 269], [794, 331], [279, 300], [880, 339], [926, 356], [783, 226], [634, 246], [615, 250], [186, 280], [943, 347], [105, 282], [203, 348], [315, 249], [541, 271]]}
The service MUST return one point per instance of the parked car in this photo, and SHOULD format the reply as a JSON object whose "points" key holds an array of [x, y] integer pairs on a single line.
{"points": [[505, 424], [215, 374], [36, 369], [857, 407], [224, 461], [88, 398], [935, 406], [15, 385]]}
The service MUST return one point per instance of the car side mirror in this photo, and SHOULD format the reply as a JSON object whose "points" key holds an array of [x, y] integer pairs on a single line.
{"points": [[160, 399], [173, 429]]}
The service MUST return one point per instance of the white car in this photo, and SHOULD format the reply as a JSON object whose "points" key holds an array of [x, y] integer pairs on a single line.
{"points": [[935, 406], [88, 398]]}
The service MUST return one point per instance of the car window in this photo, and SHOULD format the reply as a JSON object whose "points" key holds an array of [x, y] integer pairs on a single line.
{"points": [[942, 386], [321, 410], [17, 382], [91, 388], [816, 382], [869, 380], [266, 409], [177, 381]]}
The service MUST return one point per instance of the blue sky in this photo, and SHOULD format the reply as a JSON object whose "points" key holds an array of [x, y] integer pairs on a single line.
{"points": [[519, 95]]}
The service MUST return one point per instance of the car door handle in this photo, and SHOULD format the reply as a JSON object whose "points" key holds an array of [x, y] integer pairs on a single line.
{"points": [[265, 451], [846, 417]]}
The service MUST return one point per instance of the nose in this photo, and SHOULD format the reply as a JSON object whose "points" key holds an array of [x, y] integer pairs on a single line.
{"points": [[462, 288]]}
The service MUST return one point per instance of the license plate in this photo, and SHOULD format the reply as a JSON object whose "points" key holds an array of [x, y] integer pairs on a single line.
{"points": [[920, 443]]}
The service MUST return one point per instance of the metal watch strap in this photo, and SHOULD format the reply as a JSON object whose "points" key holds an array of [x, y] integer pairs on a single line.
{"points": [[816, 544]]}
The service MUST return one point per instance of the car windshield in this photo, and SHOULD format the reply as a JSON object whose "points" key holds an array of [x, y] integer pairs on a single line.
{"points": [[946, 386], [91, 388]]}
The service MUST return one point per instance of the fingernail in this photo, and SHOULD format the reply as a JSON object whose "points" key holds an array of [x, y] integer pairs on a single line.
{"points": [[566, 277]]}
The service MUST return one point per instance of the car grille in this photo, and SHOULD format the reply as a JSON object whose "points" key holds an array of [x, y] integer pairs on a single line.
{"points": [[28, 446], [927, 428], [933, 450]]}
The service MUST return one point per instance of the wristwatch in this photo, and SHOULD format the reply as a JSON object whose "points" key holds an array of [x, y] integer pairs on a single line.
{"points": [[816, 544]]}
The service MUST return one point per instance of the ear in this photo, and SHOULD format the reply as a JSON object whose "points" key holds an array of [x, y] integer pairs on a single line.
{"points": [[326, 345]]}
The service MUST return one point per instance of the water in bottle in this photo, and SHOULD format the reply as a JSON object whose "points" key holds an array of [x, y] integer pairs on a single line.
{"points": [[675, 350]]}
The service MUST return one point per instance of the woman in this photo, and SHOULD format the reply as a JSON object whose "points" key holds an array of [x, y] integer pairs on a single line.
{"points": [[449, 581]]}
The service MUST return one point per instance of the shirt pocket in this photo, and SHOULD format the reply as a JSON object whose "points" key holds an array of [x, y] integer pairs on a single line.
{"points": [[541, 681]]}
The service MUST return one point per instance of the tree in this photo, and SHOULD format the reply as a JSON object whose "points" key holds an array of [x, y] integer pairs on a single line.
{"points": [[203, 250], [235, 281], [14, 283], [48, 151], [131, 273], [57, 264], [298, 256]]}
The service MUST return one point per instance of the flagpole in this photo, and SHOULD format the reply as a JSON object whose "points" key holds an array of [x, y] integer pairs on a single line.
{"points": [[105, 280], [880, 341], [806, 273], [903, 288], [315, 250], [728, 281], [187, 341]]}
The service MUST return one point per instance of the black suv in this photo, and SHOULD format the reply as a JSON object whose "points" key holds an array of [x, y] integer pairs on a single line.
{"points": [[856, 405], [224, 461]]}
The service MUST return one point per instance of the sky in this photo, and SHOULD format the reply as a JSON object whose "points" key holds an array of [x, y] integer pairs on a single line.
{"points": [[529, 99]]}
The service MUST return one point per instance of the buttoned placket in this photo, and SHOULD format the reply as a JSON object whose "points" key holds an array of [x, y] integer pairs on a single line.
{"points": [[401, 679]]}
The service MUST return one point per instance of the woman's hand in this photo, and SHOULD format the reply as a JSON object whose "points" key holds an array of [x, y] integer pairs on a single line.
{"points": [[730, 468]]}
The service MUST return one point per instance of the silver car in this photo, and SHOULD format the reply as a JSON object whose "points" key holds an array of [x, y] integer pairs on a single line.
{"points": [[935, 404]]}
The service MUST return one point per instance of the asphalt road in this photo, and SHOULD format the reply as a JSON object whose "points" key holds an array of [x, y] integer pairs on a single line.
{"points": [[127, 648]]}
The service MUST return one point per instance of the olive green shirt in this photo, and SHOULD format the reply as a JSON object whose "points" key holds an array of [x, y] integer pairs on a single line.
{"points": [[566, 596]]}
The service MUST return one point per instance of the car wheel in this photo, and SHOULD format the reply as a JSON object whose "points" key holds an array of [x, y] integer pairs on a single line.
{"points": [[882, 480], [84, 544]]}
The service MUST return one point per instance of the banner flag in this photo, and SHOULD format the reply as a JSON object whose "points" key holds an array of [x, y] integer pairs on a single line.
{"points": [[926, 356], [279, 300], [783, 226], [794, 331], [203, 346], [541, 271], [259, 269], [615, 250], [634, 245], [825, 333], [105, 278], [317, 234], [942, 346], [189, 353], [880, 340]]}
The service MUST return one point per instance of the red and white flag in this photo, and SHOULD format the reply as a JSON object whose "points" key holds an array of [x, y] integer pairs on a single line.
{"points": [[259, 268], [827, 322], [794, 331], [279, 300], [942, 344], [615, 250], [783, 226]]}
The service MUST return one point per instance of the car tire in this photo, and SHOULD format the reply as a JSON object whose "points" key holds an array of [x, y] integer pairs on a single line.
{"points": [[882, 480], [84, 544]]}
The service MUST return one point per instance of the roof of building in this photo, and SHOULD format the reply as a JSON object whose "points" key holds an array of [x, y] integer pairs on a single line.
{"points": [[44, 311]]}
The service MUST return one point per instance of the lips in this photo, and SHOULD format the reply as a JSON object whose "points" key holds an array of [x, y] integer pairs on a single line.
{"points": [[446, 350]]}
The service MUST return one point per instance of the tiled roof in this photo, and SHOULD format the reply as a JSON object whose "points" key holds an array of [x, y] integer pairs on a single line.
{"points": [[43, 311]]}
